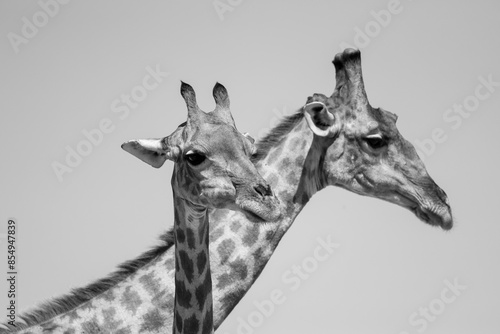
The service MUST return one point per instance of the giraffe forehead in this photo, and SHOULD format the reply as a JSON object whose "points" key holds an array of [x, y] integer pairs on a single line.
{"points": [[215, 133], [370, 120], [218, 139], [372, 125]]}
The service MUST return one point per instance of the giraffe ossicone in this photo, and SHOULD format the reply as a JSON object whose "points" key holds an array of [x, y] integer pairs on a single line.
{"points": [[212, 170]]}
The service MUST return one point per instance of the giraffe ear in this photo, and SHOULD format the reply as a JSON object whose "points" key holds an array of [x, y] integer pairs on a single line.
{"points": [[251, 142], [320, 120], [152, 151], [250, 138]]}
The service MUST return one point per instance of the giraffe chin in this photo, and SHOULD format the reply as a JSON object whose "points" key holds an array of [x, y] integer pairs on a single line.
{"points": [[258, 212], [253, 217]]}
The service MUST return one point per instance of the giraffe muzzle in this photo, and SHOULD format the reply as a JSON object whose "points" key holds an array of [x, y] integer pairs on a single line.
{"points": [[435, 216], [430, 207], [258, 203]]}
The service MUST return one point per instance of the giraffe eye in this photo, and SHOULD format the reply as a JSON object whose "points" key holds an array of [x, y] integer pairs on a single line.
{"points": [[376, 142], [195, 158]]}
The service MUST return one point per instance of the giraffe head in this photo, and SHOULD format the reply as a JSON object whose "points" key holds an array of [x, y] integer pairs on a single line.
{"points": [[365, 153], [212, 160]]}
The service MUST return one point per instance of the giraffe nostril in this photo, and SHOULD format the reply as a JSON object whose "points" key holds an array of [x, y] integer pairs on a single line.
{"points": [[263, 190]]}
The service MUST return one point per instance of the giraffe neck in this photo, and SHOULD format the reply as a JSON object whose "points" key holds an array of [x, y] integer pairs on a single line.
{"points": [[193, 286], [239, 251]]}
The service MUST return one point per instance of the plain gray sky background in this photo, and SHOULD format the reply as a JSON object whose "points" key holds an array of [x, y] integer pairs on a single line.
{"points": [[270, 55]]}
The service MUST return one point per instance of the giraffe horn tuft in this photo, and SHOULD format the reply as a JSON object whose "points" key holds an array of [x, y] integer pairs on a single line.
{"points": [[222, 109], [189, 96]]}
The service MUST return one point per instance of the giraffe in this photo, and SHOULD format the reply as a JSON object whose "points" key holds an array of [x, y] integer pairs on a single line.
{"points": [[212, 170], [338, 131]]}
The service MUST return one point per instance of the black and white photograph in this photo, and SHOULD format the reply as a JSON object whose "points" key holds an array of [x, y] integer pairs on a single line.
{"points": [[249, 167]]}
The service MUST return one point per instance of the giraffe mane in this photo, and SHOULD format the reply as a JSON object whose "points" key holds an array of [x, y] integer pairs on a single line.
{"points": [[79, 296], [274, 136]]}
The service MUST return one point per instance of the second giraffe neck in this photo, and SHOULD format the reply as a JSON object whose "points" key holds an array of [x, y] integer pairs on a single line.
{"points": [[240, 250], [193, 309]]}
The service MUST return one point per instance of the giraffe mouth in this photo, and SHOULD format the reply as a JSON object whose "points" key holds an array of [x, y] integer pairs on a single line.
{"points": [[435, 214], [428, 205], [253, 217], [260, 211]]}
